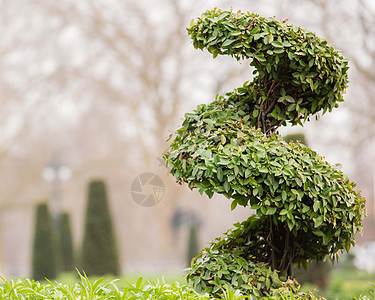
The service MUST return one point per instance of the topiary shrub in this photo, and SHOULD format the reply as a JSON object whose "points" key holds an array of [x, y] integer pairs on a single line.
{"points": [[44, 260], [99, 249], [66, 243], [305, 208]]}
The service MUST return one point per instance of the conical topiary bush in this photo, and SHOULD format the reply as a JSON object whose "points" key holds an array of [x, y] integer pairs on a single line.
{"points": [[306, 209], [66, 243], [44, 261], [99, 250]]}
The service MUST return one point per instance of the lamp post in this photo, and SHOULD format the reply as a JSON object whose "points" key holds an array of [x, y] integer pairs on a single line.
{"points": [[56, 173]]}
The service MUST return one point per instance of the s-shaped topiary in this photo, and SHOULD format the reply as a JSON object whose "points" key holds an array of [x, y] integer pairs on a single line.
{"points": [[306, 209]]}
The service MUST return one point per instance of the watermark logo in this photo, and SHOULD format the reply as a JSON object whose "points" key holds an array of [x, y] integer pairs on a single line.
{"points": [[147, 189]]}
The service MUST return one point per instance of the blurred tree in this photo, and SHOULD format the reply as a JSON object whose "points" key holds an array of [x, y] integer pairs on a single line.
{"points": [[66, 243], [193, 244], [316, 273], [99, 250], [44, 261], [296, 137]]}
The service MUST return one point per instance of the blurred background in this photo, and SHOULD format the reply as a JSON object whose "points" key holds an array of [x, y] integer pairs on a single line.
{"points": [[92, 90]]}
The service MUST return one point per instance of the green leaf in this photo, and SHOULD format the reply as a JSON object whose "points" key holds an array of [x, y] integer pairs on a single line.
{"points": [[233, 205], [209, 193], [209, 122], [219, 174], [314, 106], [271, 210], [284, 195], [260, 57], [227, 43], [284, 212], [235, 33], [318, 232], [311, 62], [192, 23], [290, 224], [226, 186], [316, 205], [278, 51], [277, 44], [305, 208], [318, 221], [258, 36]]}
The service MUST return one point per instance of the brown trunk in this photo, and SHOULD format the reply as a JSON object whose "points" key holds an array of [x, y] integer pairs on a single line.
{"points": [[282, 250]]}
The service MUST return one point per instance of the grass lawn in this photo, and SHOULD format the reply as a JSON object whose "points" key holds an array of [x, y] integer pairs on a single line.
{"points": [[167, 277], [345, 283]]}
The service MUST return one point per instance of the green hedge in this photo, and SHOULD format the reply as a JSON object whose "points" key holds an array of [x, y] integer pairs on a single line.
{"points": [[44, 253], [99, 250]]}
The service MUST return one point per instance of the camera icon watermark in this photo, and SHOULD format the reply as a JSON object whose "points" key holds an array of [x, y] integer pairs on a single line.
{"points": [[147, 189]]}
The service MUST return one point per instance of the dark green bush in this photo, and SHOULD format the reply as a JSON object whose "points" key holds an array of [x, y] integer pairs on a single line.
{"points": [[66, 243], [99, 251], [44, 260]]}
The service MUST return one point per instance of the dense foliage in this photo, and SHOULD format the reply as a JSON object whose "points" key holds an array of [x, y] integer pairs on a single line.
{"points": [[317, 273], [298, 74], [44, 253], [214, 268], [237, 260], [99, 250], [305, 207]]}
